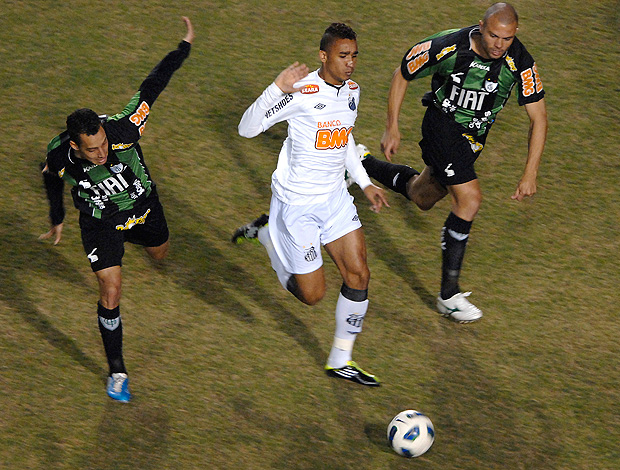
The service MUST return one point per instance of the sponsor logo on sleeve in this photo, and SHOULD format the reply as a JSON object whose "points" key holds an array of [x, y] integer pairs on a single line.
{"points": [[527, 82], [539, 85], [416, 64], [418, 49], [120, 146], [279, 105], [61, 173], [353, 85], [309, 89], [446, 50], [141, 114]]}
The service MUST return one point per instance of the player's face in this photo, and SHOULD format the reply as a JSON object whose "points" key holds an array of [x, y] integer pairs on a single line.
{"points": [[496, 37], [339, 61], [93, 148]]}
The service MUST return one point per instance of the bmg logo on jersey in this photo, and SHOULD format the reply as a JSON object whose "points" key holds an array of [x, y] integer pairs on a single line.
{"points": [[328, 139]]}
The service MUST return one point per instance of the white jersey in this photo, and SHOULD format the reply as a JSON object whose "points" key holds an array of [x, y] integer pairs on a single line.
{"points": [[320, 143]]}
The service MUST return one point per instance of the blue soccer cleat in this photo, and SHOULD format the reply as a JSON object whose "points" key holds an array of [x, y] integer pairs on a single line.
{"points": [[118, 387]]}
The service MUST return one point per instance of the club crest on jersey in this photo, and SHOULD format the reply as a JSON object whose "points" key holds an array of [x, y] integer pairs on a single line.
{"points": [[309, 89], [352, 105], [490, 86], [310, 254], [117, 168]]}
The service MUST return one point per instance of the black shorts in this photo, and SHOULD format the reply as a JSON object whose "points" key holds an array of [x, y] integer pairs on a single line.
{"points": [[104, 240], [448, 149]]}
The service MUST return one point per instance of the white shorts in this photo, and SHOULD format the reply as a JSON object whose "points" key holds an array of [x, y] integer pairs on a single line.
{"points": [[298, 231]]}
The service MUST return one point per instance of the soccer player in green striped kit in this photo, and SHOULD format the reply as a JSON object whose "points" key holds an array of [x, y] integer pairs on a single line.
{"points": [[473, 70], [101, 159]]}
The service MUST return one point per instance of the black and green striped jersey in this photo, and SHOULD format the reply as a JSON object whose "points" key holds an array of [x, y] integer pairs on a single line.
{"points": [[124, 181], [468, 88]]}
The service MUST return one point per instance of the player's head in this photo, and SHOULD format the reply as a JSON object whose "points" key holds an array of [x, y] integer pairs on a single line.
{"points": [[338, 53], [498, 29], [334, 32], [87, 136]]}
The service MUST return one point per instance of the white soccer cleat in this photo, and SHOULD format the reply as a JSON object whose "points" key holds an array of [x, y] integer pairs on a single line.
{"points": [[458, 308]]}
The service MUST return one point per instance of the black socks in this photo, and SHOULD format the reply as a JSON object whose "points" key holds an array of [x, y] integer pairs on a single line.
{"points": [[454, 236], [392, 176], [111, 330]]}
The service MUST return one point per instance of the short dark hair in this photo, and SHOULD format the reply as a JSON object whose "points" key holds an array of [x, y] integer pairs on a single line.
{"points": [[82, 121], [334, 32], [505, 13]]}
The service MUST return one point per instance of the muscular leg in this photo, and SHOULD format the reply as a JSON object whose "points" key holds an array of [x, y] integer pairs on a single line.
{"points": [[308, 288], [158, 252], [349, 254], [108, 311], [424, 190], [466, 200], [420, 188]]}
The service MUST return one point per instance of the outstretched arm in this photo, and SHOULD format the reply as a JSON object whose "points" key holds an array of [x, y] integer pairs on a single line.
{"points": [[189, 37], [537, 137], [391, 137]]}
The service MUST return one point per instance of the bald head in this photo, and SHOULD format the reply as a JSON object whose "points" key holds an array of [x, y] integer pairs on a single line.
{"points": [[503, 13]]}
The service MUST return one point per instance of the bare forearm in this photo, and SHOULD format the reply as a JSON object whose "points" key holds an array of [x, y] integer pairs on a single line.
{"points": [[396, 96], [536, 144]]}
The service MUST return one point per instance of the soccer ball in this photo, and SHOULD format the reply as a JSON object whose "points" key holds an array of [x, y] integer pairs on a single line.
{"points": [[411, 433]]}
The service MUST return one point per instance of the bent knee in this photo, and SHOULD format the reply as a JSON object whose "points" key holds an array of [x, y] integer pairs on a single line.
{"points": [[359, 279], [158, 252], [312, 298], [424, 205]]}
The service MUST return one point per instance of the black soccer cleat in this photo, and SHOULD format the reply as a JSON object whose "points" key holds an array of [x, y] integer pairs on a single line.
{"points": [[354, 373], [249, 232]]}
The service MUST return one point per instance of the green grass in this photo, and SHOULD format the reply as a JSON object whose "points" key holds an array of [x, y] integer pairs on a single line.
{"points": [[226, 367]]}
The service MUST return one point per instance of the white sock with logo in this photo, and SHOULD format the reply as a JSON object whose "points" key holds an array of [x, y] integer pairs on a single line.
{"points": [[265, 239], [349, 318]]}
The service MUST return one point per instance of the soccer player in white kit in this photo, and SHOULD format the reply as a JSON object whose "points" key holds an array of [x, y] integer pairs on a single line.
{"points": [[310, 204]]}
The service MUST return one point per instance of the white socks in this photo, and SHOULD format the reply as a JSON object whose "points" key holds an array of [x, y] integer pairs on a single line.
{"points": [[349, 319]]}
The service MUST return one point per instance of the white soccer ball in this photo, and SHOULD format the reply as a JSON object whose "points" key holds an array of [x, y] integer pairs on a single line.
{"points": [[411, 433]]}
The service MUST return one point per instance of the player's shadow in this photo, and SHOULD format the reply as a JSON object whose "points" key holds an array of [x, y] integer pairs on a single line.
{"points": [[135, 437], [199, 266], [267, 144], [392, 252], [20, 251]]}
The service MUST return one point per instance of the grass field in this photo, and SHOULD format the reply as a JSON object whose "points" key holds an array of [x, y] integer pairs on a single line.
{"points": [[225, 366]]}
